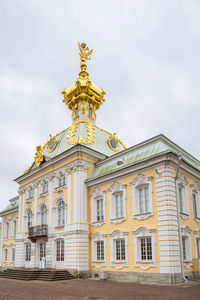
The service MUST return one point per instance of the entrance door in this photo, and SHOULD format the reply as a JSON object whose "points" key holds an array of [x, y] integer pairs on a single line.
{"points": [[42, 253], [27, 257], [59, 254]]}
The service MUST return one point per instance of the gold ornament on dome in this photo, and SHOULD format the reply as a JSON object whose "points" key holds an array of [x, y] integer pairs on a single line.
{"points": [[83, 91], [83, 54], [39, 155], [51, 143], [90, 131], [113, 142]]}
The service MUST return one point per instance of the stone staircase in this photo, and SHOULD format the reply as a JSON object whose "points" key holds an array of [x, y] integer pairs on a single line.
{"points": [[33, 274]]}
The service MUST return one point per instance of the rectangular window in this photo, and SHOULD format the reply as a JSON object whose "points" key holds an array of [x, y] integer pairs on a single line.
{"points": [[5, 254], [100, 250], [194, 201], [119, 207], [184, 248], [60, 250], [144, 199], [120, 249], [198, 248], [146, 248], [100, 212], [28, 252], [181, 198], [7, 230], [13, 254], [14, 228]]}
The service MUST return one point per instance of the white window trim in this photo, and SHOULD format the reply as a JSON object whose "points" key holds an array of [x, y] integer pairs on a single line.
{"points": [[143, 232], [5, 248], [12, 227], [96, 195], [56, 208], [186, 232], [40, 212], [182, 182], [196, 236], [195, 189], [95, 238], [117, 188], [5, 234], [117, 234], [140, 181], [11, 254]]}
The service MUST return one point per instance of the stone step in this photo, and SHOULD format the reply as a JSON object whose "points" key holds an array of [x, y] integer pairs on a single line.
{"points": [[45, 275]]}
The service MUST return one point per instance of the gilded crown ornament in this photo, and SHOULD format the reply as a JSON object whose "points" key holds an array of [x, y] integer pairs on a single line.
{"points": [[83, 97]]}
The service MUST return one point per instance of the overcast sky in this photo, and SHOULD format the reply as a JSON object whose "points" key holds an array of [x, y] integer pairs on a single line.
{"points": [[146, 57]]}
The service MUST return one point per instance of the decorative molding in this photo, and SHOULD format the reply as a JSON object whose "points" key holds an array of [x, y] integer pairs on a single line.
{"points": [[94, 238], [139, 233], [118, 234], [140, 181], [195, 187], [96, 195], [114, 189]]}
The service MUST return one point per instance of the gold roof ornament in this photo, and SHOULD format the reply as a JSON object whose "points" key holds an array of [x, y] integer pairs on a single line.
{"points": [[83, 97], [39, 155]]}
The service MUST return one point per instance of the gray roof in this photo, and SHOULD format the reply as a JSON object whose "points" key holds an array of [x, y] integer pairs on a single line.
{"points": [[141, 152], [14, 203]]}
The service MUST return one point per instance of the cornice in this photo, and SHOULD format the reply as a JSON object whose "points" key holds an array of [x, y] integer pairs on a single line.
{"points": [[167, 158], [75, 150]]}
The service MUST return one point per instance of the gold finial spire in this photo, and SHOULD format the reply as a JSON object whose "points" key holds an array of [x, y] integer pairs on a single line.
{"points": [[84, 55], [83, 97]]}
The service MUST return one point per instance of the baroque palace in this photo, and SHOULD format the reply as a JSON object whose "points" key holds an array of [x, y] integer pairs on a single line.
{"points": [[89, 204]]}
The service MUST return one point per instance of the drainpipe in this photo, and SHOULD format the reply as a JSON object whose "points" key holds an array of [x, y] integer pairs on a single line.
{"points": [[179, 218]]}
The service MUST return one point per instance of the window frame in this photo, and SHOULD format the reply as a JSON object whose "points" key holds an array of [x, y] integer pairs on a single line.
{"points": [[28, 252], [13, 250], [195, 190], [116, 236], [115, 189], [98, 237], [144, 232], [97, 195], [14, 227], [139, 183], [5, 254], [60, 255], [182, 185], [61, 215], [186, 235]]}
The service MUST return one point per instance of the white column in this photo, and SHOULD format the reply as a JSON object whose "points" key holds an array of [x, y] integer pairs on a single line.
{"points": [[19, 210], [167, 221], [51, 190], [23, 207], [35, 203], [80, 194], [69, 182]]}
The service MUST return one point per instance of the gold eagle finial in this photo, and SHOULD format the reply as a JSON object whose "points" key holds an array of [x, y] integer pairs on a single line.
{"points": [[84, 52]]}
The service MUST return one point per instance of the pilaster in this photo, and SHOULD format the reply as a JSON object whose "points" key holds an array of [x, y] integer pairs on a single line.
{"points": [[167, 220]]}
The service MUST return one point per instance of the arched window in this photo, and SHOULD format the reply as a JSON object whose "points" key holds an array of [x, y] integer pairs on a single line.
{"points": [[14, 227], [61, 180], [61, 213], [30, 193], [29, 218], [43, 214], [45, 187], [60, 250]]}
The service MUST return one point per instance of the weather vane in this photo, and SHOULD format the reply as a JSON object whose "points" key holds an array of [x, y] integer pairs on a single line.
{"points": [[84, 52]]}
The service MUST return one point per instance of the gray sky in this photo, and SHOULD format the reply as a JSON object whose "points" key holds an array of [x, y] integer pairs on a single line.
{"points": [[146, 57]]}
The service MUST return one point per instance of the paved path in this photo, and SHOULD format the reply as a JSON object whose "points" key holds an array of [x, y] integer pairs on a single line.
{"points": [[94, 289]]}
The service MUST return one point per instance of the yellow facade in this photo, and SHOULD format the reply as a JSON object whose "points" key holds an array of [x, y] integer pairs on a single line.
{"points": [[108, 208]]}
